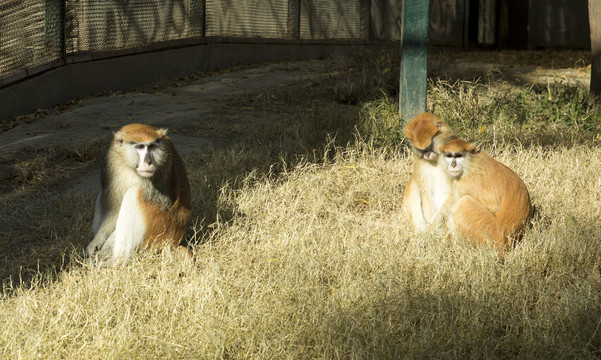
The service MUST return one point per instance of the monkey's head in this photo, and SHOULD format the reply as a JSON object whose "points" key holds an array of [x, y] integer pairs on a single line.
{"points": [[456, 157], [143, 147], [426, 132]]}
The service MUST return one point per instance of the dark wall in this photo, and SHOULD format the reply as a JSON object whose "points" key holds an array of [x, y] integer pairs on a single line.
{"points": [[560, 24], [447, 20], [510, 24]]}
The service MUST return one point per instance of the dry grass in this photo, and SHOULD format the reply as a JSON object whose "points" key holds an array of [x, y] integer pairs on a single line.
{"points": [[313, 259]]}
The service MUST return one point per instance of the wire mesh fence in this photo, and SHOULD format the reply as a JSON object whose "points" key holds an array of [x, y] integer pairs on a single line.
{"points": [[250, 18], [102, 26], [36, 35], [27, 37]]}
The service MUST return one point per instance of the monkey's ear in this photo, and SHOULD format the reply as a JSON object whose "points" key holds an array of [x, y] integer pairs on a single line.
{"points": [[118, 136], [471, 148], [162, 132]]}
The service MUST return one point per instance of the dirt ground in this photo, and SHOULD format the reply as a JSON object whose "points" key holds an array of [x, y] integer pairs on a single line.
{"points": [[204, 110], [172, 105]]}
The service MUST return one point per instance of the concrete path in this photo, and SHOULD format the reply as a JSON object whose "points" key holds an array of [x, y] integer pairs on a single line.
{"points": [[171, 105]]}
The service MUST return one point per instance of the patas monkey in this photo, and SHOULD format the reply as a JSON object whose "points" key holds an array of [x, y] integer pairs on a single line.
{"points": [[145, 198], [429, 187], [489, 200]]}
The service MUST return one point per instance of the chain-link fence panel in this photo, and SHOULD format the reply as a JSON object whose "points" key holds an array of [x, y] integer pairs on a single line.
{"points": [[247, 18], [36, 35], [30, 35], [112, 25], [330, 19]]}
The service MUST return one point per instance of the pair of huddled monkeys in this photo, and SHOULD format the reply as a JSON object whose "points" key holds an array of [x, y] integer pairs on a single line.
{"points": [[145, 198], [453, 183]]}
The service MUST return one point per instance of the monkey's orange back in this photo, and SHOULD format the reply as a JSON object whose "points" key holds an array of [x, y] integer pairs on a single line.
{"points": [[502, 192]]}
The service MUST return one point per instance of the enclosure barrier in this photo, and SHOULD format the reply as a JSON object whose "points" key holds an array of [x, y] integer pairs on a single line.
{"points": [[38, 35]]}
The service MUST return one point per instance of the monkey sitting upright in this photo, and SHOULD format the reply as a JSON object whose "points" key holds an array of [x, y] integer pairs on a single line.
{"points": [[145, 198], [428, 187], [488, 201]]}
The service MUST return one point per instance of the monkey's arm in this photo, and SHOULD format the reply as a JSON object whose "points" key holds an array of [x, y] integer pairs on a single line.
{"points": [[98, 214], [104, 231], [443, 213], [412, 205]]}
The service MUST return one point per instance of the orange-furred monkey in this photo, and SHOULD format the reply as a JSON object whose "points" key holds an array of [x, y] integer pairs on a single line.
{"points": [[428, 187], [489, 200], [145, 197]]}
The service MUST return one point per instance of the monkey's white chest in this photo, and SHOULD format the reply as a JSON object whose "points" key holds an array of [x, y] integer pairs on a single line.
{"points": [[438, 186]]}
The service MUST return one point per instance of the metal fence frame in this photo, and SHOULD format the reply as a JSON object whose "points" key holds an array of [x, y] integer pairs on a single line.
{"points": [[298, 16]]}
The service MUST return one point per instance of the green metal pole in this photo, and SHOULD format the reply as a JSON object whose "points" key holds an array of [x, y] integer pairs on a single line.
{"points": [[414, 58]]}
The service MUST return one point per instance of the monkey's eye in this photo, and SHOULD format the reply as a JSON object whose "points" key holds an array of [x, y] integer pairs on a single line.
{"points": [[140, 146], [152, 147]]}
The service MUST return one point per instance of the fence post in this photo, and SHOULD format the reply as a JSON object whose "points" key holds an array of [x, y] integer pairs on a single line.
{"points": [[414, 58], [365, 19], [294, 19], [201, 17], [54, 20]]}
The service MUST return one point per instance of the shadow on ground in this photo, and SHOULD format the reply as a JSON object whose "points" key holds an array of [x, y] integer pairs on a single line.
{"points": [[225, 124]]}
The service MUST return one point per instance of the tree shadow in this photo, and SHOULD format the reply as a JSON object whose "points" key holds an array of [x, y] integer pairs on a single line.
{"points": [[433, 324]]}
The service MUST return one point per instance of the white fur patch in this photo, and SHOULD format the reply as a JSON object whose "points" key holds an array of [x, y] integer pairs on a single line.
{"points": [[131, 227], [438, 187]]}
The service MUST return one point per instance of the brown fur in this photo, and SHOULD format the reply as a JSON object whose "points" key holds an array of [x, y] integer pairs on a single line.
{"points": [[164, 226], [140, 133], [168, 225], [491, 202], [427, 186], [423, 129]]}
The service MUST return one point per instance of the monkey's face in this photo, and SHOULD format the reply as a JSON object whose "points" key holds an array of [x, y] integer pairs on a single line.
{"points": [[456, 157], [146, 157], [422, 132], [426, 153], [143, 147], [423, 141], [454, 162]]}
